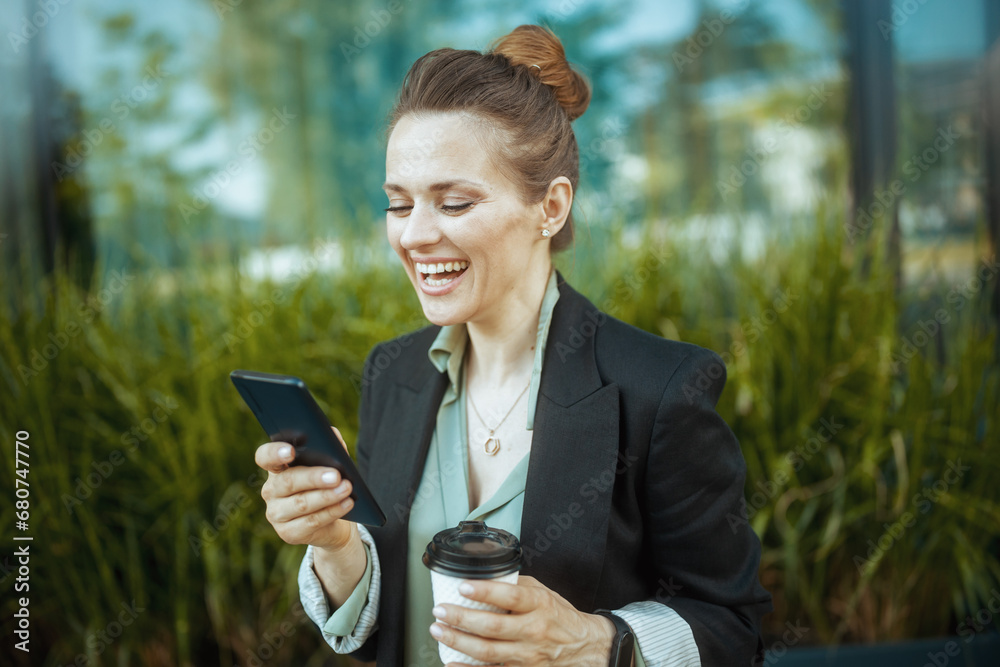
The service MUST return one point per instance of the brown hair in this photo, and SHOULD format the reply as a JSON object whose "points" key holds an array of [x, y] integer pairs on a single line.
{"points": [[524, 85]]}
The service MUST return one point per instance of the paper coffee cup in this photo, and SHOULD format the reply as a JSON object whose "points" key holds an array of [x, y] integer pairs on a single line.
{"points": [[471, 551]]}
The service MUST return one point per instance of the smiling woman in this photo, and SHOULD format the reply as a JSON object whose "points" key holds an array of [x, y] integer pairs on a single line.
{"points": [[523, 406]]}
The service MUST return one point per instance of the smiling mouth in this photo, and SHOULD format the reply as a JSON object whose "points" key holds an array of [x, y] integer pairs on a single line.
{"points": [[441, 273]]}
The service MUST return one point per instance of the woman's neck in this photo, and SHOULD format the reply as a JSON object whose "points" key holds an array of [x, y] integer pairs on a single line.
{"points": [[502, 350]]}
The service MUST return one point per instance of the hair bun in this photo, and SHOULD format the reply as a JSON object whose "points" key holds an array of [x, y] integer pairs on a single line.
{"points": [[539, 50]]}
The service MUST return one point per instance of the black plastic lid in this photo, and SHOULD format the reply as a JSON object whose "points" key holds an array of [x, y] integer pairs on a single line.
{"points": [[473, 551]]}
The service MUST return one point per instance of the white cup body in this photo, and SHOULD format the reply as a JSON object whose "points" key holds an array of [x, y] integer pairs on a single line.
{"points": [[446, 591]]}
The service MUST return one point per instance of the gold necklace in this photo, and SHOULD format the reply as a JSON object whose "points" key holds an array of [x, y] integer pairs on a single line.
{"points": [[491, 451]]}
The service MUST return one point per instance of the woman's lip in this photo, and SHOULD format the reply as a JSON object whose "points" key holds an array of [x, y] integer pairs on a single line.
{"points": [[436, 260], [441, 290]]}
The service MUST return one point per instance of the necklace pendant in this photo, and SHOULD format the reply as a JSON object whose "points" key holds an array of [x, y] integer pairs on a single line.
{"points": [[491, 451]]}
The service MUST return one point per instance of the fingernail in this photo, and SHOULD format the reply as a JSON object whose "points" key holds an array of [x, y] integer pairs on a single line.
{"points": [[347, 504], [436, 631], [329, 477], [439, 612], [342, 488], [466, 589], [285, 452]]}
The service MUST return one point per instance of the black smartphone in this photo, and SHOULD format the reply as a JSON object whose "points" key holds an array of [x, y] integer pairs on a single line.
{"points": [[289, 413]]}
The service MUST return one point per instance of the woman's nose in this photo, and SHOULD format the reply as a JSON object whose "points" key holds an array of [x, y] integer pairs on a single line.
{"points": [[421, 228]]}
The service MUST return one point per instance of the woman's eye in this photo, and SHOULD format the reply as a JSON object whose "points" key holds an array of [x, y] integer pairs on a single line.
{"points": [[398, 209], [453, 208]]}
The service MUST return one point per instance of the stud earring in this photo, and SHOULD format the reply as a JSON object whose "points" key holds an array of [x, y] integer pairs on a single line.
{"points": [[545, 233]]}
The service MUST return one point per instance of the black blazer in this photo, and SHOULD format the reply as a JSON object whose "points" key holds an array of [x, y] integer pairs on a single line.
{"points": [[630, 482]]}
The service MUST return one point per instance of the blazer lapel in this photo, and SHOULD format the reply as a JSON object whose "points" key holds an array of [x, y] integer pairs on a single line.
{"points": [[404, 435], [574, 455]]}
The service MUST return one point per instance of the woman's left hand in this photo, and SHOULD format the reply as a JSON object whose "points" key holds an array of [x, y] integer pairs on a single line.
{"points": [[541, 629]]}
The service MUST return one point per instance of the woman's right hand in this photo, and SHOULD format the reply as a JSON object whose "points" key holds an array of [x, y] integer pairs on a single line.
{"points": [[305, 504]]}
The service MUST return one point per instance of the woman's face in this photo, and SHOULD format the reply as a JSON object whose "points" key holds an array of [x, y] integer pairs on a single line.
{"points": [[466, 240]]}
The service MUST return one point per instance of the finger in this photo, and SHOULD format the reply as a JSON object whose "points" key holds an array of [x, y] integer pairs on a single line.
{"points": [[302, 529], [518, 599], [274, 456], [487, 650], [336, 432], [292, 507], [298, 479], [488, 624]]}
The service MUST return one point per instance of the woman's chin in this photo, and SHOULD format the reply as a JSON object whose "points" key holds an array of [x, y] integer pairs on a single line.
{"points": [[440, 316]]}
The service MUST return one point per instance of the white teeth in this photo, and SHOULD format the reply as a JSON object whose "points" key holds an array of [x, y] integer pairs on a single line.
{"points": [[440, 267], [437, 283]]}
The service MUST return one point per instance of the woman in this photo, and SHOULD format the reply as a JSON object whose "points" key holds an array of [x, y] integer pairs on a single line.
{"points": [[524, 406]]}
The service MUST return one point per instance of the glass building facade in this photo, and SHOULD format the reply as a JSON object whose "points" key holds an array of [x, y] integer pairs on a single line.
{"points": [[160, 135]]}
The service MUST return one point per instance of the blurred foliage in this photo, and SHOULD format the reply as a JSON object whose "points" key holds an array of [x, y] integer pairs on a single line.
{"points": [[144, 487]]}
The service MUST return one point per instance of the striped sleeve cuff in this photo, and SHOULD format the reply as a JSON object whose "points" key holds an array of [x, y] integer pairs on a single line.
{"points": [[663, 638], [349, 627]]}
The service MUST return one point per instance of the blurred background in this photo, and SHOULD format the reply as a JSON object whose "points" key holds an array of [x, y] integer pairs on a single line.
{"points": [[810, 188]]}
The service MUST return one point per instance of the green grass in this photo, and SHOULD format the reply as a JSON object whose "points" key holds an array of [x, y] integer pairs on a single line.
{"points": [[178, 524]]}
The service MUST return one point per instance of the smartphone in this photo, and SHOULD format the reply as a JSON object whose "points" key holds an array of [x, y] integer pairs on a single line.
{"points": [[289, 413]]}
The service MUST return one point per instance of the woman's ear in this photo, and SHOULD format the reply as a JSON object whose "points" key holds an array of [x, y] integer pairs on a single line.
{"points": [[556, 205]]}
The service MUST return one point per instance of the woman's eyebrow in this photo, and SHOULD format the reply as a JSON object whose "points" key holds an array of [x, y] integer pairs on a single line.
{"points": [[436, 187]]}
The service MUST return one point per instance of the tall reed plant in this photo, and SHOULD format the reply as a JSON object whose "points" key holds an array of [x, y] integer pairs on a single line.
{"points": [[871, 456]]}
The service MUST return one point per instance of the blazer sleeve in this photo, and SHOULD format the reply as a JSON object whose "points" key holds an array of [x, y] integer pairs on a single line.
{"points": [[367, 426], [694, 486]]}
